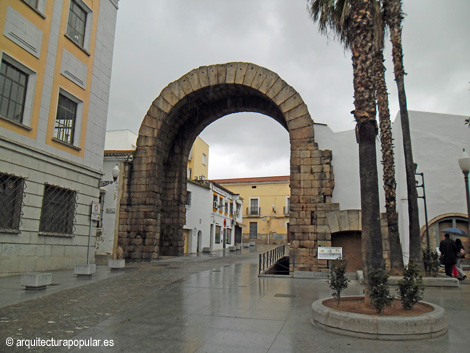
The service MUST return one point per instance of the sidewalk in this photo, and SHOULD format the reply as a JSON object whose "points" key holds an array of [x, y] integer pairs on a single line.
{"points": [[208, 304]]}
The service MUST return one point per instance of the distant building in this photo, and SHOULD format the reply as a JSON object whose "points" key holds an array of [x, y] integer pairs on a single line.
{"points": [[55, 71], [124, 140], [266, 212], [437, 142], [198, 160], [205, 226], [213, 217]]}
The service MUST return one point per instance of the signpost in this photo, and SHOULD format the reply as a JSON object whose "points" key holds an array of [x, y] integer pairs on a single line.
{"points": [[94, 216], [329, 253]]}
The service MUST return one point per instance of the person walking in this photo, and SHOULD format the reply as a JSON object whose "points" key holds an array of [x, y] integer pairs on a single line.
{"points": [[460, 257], [448, 251]]}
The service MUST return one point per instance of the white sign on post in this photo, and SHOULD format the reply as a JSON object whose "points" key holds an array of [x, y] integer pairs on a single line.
{"points": [[95, 211], [329, 252]]}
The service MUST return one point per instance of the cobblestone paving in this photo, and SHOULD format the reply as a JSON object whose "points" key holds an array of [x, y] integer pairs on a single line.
{"points": [[65, 314]]}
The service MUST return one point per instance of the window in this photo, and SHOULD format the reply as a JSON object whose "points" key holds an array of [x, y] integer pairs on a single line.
{"points": [[287, 207], [76, 25], [217, 234], [17, 85], [226, 208], [188, 198], [64, 129], [204, 159], [215, 201], [13, 84], [231, 208], [58, 210], [11, 202], [221, 204], [189, 173], [229, 236], [253, 230], [254, 209]]}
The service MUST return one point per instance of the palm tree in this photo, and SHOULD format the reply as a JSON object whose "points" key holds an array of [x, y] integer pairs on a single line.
{"points": [[393, 16], [352, 21], [336, 14], [388, 161]]}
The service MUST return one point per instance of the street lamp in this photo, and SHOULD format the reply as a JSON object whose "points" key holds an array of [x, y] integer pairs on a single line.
{"points": [[464, 163], [115, 172], [428, 246]]}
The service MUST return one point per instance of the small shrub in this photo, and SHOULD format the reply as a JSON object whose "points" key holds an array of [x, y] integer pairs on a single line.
{"points": [[411, 287], [379, 292], [337, 278], [431, 262]]}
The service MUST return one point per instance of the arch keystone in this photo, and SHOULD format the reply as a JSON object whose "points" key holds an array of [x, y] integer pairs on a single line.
{"points": [[250, 74], [231, 72], [240, 73]]}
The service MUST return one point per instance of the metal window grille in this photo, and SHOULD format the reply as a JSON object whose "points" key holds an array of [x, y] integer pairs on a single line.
{"points": [[58, 211], [13, 84], [65, 120], [11, 202], [77, 23]]}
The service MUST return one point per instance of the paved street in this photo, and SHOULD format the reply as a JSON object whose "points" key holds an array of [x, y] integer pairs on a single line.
{"points": [[206, 303]]}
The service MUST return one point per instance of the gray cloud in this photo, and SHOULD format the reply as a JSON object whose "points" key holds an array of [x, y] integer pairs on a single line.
{"points": [[158, 41]]}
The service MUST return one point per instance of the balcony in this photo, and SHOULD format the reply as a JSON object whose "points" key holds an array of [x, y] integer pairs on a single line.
{"points": [[253, 211]]}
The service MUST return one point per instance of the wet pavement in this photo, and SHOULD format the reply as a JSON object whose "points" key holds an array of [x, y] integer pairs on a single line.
{"points": [[207, 303]]}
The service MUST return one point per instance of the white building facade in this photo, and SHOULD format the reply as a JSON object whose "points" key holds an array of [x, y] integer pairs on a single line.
{"points": [[213, 217], [437, 142]]}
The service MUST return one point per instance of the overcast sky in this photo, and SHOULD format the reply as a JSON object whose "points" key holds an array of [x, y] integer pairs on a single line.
{"points": [[158, 41]]}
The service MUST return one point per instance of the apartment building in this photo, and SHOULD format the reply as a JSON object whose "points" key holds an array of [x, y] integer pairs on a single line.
{"points": [[208, 225], [213, 217], [266, 213], [55, 73], [198, 160]]}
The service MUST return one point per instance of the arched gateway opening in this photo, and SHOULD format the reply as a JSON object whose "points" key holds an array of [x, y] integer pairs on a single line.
{"points": [[152, 212]]}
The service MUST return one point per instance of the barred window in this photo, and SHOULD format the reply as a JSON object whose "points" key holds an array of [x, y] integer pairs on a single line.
{"points": [[13, 83], [65, 120], [77, 23], [58, 210], [11, 202]]}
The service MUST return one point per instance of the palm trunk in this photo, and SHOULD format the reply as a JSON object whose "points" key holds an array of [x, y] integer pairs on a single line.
{"points": [[388, 161], [362, 49], [394, 17]]}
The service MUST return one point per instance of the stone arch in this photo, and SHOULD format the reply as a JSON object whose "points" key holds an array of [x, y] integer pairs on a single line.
{"points": [[152, 207]]}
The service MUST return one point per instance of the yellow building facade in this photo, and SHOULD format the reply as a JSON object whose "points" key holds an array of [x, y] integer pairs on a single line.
{"points": [[198, 160], [55, 74], [266, 210]]}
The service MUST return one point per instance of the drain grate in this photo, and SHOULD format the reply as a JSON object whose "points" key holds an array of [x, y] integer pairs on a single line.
{"points": [[286, 295]]}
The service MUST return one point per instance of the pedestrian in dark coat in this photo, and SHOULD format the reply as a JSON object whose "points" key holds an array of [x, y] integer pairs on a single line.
{"points": [[448, 250]]}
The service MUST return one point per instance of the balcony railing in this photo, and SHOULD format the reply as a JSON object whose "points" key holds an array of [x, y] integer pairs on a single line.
{"points": [[253, 211]]}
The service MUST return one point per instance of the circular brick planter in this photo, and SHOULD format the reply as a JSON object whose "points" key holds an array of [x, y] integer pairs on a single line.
{"points": [[429, 325]]}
